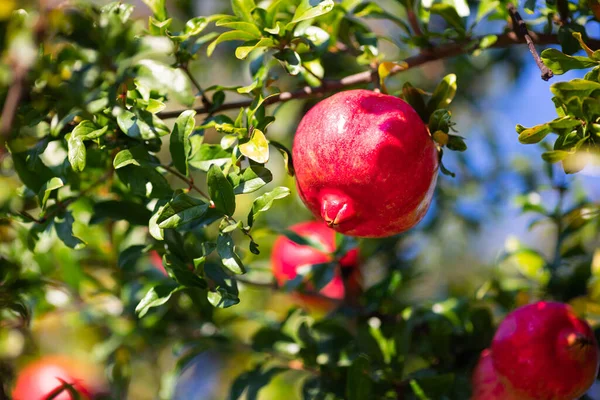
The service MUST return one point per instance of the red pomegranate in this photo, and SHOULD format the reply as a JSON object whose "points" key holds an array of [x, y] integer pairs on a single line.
{"points": [[486, 384], [288, 256], [365, 163], [157, 262], [45, 377], [543, 351]]}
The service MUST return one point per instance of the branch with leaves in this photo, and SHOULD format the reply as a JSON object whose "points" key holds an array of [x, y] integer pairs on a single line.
{"points": [[435, 54]]}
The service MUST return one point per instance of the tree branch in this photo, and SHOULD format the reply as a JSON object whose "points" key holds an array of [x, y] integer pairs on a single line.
{"points": [[187, 180], [414, 22], [361, 78], [17, 87], [205, 101], [521, 30], [13, 98]]}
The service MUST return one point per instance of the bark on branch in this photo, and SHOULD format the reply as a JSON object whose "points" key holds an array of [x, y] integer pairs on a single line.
{"points": [[520, 28]]}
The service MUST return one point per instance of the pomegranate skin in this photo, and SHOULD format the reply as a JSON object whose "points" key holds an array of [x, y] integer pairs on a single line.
{"points": [[365, 163], [40, 379], [288, 256], [485, 381], [543, 351], [157, 262]]}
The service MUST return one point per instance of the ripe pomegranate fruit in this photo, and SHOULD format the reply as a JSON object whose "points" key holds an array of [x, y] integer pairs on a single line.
{"points": [[157, 262], [46, 376], [486, 384], [543, 351], [287, 256], [365, 163]]}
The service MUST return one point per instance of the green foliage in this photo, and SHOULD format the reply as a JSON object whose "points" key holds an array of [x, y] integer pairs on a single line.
{"points": [[577, 107], [120, 147]]}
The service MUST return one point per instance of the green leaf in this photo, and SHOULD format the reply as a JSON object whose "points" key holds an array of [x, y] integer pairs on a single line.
{"points": [[222, 298], [564, 123], [242, 51], [64, 230], [158, 8], [574, 88], [264, 202], [137, 156], [291, 61], [229, 258], [87, 130], [141, 124], [156, 296], [456, 143], [534, 134], [247, 27], [486, 7], [567, 41], [251, 179], [414, 97], [306, 11], [180, 146], [181, 210], [257, 148], [243, 9], [181, 272], [128, 258], [440, 120], [450, 15], [209, 154], [358, 384], [554, 156], [560, 63], [153, 228], [287, 157], [166, 79], [76, 153], [220, 190], [444, 94], [33, 174], [372, 9], [227, 37], [47, 189]]}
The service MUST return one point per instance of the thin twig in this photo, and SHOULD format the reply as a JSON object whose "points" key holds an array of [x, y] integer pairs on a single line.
{"points": [[205, 101], [362, 78], [521, 30], [187, 180], [414, 21], [30, 217]]}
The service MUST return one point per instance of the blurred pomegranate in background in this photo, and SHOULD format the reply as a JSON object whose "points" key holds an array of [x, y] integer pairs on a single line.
{"points": [[287, 257], [157, 262], [47, 377]]}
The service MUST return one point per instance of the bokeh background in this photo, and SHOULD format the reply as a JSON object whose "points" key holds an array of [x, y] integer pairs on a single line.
{"points": [[454, 251]]}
